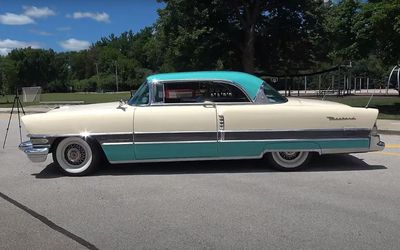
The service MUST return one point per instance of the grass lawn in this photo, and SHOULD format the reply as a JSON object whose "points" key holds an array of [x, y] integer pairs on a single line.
{"points": [[6, 101], [389, 106]]}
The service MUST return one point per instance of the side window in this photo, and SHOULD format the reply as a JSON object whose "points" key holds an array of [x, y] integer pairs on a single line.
{"points": [[141, 96], [198, 92], [223, 92]]}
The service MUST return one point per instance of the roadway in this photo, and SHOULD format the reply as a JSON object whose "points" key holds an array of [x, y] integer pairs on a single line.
{"points": [[344, 201]]}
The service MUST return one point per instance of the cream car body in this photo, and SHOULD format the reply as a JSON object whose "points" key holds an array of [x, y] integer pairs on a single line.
{"points": [[167, 124]]}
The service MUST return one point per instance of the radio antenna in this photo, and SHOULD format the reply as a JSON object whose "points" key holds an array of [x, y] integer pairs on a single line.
{"points": [[326, 91], [366, 106]]}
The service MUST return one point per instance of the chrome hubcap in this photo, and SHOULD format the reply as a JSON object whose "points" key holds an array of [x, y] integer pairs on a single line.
{"points": [[289, 155], [75, 154]]}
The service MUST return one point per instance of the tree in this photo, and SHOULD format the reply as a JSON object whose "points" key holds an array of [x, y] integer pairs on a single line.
{"points": [[245, 35], [378, 30]]}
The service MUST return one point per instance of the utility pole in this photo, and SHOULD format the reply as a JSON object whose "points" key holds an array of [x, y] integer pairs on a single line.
{"points": [[97, 71], [116, 74]]}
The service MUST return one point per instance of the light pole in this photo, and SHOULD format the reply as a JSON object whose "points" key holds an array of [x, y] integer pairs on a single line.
{"points": [[116, 74]]}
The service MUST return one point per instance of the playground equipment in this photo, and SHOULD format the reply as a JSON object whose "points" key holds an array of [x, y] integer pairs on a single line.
{"points": [[395, 68]]}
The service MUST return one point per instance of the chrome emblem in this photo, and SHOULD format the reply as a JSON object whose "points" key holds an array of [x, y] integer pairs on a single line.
{"points": [[331, 118]]}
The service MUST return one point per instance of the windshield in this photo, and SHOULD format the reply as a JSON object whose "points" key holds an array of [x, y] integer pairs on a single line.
{"points": [[272, 94], [141, 96]]}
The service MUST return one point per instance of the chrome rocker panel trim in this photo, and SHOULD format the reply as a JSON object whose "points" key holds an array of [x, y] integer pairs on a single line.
{"points": [[35, 154]]}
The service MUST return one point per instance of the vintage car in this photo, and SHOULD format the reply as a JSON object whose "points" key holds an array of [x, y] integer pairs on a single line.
{"points": [[188, 116]]}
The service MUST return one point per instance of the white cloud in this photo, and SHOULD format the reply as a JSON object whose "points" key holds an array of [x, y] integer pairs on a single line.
{"points": [[4, 51], [74, 44], [15, 19], [66, 28], [40, 32], [99, 17], [7, 45], [35, 12]]}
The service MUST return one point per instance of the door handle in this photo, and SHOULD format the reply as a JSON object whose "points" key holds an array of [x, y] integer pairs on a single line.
{"points": [[208, 104]]}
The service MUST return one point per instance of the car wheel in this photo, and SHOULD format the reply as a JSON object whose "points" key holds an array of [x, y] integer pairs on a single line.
{"points": [[289, 160], [76, 156]]}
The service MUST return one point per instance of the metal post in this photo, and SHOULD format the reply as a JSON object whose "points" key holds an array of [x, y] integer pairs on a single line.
{"points": [[390, 76], [367, 83], [298, 88], [319, 84], [360, 83], [398, 79], [339, 82], [305, 84], [285, 86], [116, 74]]}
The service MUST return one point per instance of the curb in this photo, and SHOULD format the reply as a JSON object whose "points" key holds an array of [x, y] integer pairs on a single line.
{"points": [[26, 111]]}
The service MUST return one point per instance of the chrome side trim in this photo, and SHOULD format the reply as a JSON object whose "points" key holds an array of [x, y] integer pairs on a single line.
{"points": [[114, 138], [116, 143], [174, 142], [171, 137], [345, 150], [312, 129], [80, 134], [263, 135], [130, 132], [295, 140], [174, 132]]}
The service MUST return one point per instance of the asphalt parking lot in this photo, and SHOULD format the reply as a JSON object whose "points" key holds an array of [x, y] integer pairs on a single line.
{"points": [[340, 202]]}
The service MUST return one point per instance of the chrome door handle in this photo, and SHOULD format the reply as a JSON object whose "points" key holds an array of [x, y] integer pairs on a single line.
{"points": [[208, 104]]}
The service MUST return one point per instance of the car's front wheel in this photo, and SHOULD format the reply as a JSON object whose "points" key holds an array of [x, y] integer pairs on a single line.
{"points": [[76, 156], [289, 160]]}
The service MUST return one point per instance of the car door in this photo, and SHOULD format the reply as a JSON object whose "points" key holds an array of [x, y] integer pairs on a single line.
{"points": [[177, 124]]}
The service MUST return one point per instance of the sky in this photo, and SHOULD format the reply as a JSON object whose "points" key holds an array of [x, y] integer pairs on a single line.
{"points": [[70, 25]]}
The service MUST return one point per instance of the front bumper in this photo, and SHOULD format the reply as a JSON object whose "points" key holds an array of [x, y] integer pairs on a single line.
{"points": [[34, 153], [376, 144]]}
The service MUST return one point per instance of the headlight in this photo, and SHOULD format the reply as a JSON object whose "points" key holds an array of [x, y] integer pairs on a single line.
{"points": [[39, 141]]}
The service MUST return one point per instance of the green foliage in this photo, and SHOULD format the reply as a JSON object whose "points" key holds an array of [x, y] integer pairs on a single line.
{"points": [[264, 36]]}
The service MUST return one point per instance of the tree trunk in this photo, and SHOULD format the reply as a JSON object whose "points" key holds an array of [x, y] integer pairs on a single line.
{"points": [[248, 50]]}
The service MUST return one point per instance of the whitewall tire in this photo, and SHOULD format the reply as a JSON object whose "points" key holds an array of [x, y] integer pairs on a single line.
{"points": [[289, 160], [76, 156]]}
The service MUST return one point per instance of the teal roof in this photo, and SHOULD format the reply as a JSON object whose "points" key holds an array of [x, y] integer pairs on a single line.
{"points": [[251, 84]]}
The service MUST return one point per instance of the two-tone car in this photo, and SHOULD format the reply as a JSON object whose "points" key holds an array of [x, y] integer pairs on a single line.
{"points": [[191, 116]]}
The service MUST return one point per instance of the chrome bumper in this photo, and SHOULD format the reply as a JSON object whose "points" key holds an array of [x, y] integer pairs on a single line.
{"points": [[376, 144], [35, 154]]}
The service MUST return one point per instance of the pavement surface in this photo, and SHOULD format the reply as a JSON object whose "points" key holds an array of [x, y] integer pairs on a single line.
{"points": [[340, 202]]}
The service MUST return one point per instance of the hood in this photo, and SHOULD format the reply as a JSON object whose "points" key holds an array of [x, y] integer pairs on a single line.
{"points": [[86, 107], [312, 102]]}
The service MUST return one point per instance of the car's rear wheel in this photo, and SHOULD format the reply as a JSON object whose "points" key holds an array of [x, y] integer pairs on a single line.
{"points": [[289, 160], [76, 156]]}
